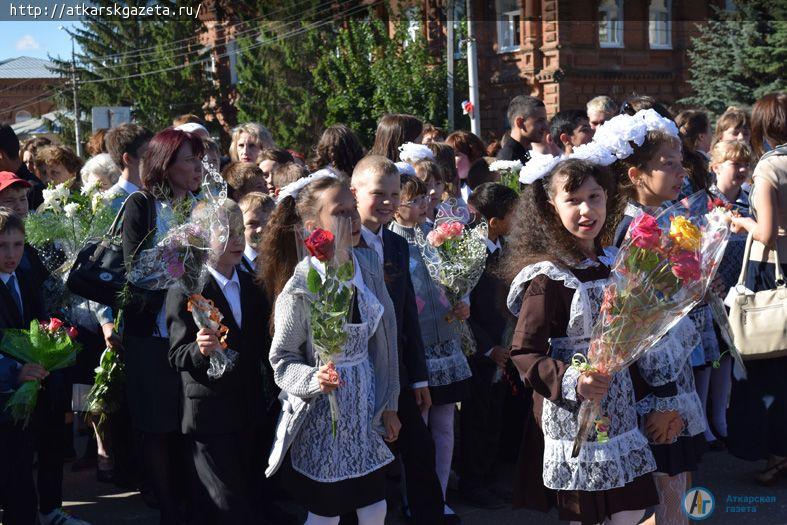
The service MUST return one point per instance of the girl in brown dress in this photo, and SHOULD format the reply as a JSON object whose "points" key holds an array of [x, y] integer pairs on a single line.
{"points": [[559, 271]]}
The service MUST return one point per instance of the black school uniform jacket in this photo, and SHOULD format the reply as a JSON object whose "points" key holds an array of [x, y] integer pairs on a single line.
{"points": [[489, 316], [396, 267], [32, 304], [234, 402]]}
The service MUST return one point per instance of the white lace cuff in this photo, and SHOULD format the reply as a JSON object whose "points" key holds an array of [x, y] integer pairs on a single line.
{"points": [[569, 385]]}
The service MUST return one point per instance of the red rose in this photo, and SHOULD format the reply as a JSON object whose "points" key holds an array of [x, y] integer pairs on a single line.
{"points": [[55, 324], [321, 244], [686, 266], [72, 332]]}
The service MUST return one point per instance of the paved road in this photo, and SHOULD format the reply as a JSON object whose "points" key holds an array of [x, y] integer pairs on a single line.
{"points": [[724, 476]]}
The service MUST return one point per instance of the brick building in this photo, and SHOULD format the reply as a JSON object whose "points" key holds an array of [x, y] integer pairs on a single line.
{"points": [[25, 88], [568, 51]]}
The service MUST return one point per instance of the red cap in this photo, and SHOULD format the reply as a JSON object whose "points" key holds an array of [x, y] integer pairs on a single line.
{"points": [[8, 178]]}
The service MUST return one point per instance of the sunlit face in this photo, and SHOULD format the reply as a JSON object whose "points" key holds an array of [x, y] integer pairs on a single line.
{"points": [[434, 189], [535, 126], [377, 197], [254, 221], [29, 161], [58, 174], [185, 172], [462, 164], [12, 246], [230, 252], [737, 133], [413, 211], [267, 166], [731, 173], [338, 209], [582, 134], [661, 178], [15, 198], [582, 211], [248, 148]]}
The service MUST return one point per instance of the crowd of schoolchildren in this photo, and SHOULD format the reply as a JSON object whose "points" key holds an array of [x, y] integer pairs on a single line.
{"points": [[257, 443]]}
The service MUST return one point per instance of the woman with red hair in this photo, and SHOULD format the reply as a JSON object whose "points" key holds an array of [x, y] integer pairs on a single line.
{"points": [[171, 171]]}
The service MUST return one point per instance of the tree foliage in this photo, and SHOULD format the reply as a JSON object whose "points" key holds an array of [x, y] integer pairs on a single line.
{"points": [[739, 56]]}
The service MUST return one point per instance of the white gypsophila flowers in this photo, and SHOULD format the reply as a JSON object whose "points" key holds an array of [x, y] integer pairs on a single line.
{"points": [[411, 152], [70, 209], [593, 152], [506, 165], [539, 165]]}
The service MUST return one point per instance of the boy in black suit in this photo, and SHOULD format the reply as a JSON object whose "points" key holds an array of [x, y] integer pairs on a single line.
{"points": [[481, 414], [221, 417], [20, 303], [376, 185]]}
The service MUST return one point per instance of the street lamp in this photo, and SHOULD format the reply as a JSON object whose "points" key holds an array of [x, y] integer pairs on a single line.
{"points": [[77, 138]]}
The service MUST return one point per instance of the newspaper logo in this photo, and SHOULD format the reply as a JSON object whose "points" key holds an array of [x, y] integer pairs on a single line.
{"points": [[698, 503]]}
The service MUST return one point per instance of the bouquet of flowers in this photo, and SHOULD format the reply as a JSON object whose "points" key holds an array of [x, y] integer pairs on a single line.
{"points": [[455, 256], [662, 271], [106, 394], [50, 344], [509, 172], [207, 316], [328, 280]]}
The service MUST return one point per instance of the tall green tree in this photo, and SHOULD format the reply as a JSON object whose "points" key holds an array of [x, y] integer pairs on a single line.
{"points": [[275, 83], [739, 56], [153, 65], [374, 71]]}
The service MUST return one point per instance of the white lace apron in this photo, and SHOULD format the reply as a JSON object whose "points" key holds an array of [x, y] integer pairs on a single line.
{"points": [[356, 449], [599, 466]]}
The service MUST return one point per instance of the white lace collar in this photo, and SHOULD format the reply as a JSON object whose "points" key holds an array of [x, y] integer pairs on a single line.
{"points": [[607, 259]]}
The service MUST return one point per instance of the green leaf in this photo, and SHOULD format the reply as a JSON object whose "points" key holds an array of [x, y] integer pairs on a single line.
{"points": [[313, 281], [345, 272]]}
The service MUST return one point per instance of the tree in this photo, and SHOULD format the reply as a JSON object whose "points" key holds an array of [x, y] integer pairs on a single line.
{"points": [[373, 72], [153, 65], [276, 86], [739, 56]]}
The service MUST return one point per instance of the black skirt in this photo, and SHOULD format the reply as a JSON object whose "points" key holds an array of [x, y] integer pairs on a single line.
{"points": [[152, 386], [333, 499], [453, 393], [682, 456]]}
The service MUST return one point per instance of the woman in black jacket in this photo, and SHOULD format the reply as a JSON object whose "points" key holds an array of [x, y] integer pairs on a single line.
{"points": [[171, 170]]}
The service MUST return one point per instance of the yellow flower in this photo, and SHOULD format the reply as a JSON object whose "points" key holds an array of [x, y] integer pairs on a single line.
{"points": [[684, 233]]}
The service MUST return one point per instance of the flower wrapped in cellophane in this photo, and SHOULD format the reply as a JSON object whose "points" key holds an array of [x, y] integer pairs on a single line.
{"points": [[50, 344], [454, 254], [509, 172], [329, 281], [663, 270]]}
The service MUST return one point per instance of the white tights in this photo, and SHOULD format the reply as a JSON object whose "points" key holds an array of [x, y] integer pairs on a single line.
{"points": [[373, 514], [440, 420], [669, 511], [626, 517]]}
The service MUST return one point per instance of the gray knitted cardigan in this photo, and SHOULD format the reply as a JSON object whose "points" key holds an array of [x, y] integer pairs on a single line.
{"points": [[294, 361]]}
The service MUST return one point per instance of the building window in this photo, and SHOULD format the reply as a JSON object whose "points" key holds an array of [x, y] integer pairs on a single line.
{"points": [[508, 25], [660, 24], [22, 116], [730, 6], [610, 23]]}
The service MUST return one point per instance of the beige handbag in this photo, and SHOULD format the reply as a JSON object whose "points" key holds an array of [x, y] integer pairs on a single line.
{"points": [[759, 320]]}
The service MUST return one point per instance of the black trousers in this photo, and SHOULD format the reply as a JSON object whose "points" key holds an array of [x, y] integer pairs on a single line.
{"points": [[480, 424], [17, 489], [416, 445], [220, 480], [49, 430]]}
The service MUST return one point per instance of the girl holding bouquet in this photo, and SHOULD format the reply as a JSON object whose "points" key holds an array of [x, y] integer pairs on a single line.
{"points": [[650, 177], [330, 470], [449, 371], [559, 272]]}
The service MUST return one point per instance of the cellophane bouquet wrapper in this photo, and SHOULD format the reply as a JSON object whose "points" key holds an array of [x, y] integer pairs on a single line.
{"points": [[663, 270]]}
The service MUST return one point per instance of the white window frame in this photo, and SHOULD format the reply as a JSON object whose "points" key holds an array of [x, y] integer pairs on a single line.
{"points": [[508, 20], [616, 25], [652, 27]]}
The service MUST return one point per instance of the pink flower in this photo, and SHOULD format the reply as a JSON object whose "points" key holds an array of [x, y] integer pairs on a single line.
{"points": [[436, 237], [72, 332], [645, 232], [686, 266], [454, 229], [55, 324]]}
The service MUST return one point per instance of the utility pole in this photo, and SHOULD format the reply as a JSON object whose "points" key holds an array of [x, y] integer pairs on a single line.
{"points": [[449, 60], [77, 137], [472, 72]]}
